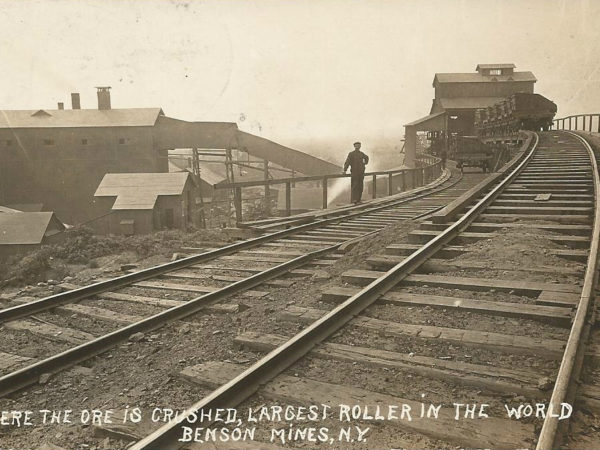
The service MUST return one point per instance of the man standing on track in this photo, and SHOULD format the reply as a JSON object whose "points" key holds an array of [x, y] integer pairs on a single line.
{"points": [[357, 161]]}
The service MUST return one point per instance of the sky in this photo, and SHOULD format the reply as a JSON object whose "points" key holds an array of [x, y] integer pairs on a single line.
{"points": [[317, 74]]}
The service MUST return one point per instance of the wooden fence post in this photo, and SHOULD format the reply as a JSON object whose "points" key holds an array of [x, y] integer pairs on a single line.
{"points": [[324, 193], [237, 203], [288, 199], [374, 186]]}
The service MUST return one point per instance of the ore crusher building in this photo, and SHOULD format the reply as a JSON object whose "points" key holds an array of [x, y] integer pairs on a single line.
{"points": [[459, 95]]}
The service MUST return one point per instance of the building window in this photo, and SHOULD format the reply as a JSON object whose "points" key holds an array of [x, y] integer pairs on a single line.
{"points": [[48, 141], [495, 71], [121, 141], [84, 142]]}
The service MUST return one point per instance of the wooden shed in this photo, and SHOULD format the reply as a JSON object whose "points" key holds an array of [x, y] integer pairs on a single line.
{"points": [[25, 231], [139, 203]]}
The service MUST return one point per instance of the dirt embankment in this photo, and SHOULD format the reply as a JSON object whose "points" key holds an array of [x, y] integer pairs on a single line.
{"points": [[83, 250]]}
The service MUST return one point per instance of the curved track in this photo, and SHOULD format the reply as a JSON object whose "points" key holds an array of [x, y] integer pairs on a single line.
{"points": [[445, 322]]}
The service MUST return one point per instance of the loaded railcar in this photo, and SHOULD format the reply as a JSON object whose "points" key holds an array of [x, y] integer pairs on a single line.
{"points": [[520, 111]]}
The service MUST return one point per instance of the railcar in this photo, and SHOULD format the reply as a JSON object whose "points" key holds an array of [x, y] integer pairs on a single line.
{"points": [[470, 151], [520, 111]]}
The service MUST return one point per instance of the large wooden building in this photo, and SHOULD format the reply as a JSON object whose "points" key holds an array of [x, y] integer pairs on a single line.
{"points": [[458, 95], [58, 157]]}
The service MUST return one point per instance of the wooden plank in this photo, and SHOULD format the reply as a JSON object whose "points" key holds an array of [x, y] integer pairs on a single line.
{"points": [[151, 301], [303, 243], [448, 251], [565, 219], [502, 380], [10, 360], [279, 253], [386, 262], [102, 314], [579, 230], [363, 277], [528, 210], [50, 331], [188, 275], [553, 298], [550, 348], [491, 432], [232, 279], [217, 308], [255, 258], [333, 233], [588, 399], [191, 288], [467, 237], [318, 240], [549, 314], [93, 312]]}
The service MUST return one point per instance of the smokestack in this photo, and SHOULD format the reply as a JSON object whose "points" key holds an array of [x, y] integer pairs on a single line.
{"points": [[75, 101], [103, 97], [61, 105]]}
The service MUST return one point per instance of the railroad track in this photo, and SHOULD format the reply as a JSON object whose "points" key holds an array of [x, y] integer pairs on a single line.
{"points": [[76, 325], [489, 305]]}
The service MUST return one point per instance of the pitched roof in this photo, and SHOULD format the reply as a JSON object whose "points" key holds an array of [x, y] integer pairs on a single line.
{"points": [[495, 66], [27, 207], [25, 227], [67, 118], [425, 119], [6, 209], [140, 190], [467, 102], [476, 77]]}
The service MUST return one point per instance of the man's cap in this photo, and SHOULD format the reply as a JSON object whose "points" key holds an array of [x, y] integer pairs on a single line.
{"points": [[356, 143]]}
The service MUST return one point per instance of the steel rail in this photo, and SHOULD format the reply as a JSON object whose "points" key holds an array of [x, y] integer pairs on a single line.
{"points": [[248, 382], [265, 224], [43, 304], [28, 375], [548, 434]]}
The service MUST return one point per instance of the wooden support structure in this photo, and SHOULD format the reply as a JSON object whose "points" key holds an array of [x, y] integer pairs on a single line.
{"points": [[288, 199], [374, 186], [419, 176], [237, 202]]}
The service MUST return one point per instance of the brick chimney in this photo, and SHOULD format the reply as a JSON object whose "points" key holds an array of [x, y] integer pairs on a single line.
{"points": [[75, 101], [103, 97]]}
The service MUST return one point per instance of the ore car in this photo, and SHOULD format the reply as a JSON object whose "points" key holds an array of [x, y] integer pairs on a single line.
{"points": [[520, 111]]}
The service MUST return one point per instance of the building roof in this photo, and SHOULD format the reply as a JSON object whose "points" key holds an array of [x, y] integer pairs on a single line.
{"points": [[476, 77], [27, 207], [495, 66], [26, 227], [71, 118], [140, 190], [6, 209], [467, 102], [425, 119]]}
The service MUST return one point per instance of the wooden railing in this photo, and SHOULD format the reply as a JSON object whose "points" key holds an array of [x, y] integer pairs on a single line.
{"points": [[402, 179], [573, 122]]}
